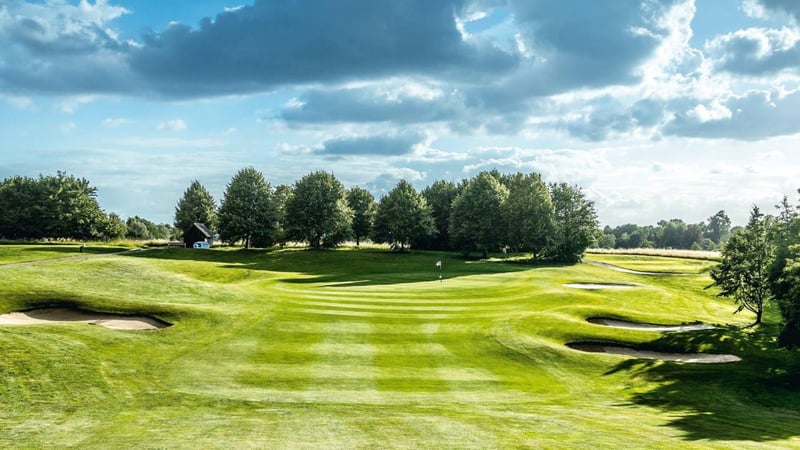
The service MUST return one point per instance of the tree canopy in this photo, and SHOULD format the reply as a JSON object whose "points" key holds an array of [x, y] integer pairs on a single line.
{"points": [[317, 211], [476, 219], [402, 217], [362, 204], [59, 206], [196, 205], [743, 273], [247, 213], [528, 213], [575, 223]]}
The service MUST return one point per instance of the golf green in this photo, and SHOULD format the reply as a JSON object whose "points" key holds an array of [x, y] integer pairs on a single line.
{"points": [[369, 349]]}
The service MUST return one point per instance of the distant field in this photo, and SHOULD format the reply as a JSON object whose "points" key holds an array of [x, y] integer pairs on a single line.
{"points": [[687, 254], [657, 264], [368, 349]]}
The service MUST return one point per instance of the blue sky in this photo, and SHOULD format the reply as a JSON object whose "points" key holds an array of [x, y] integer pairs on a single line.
{"points": [[657, 109]]}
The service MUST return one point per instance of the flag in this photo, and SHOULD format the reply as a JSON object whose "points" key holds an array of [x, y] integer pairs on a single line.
{"points": [[439, 264]]}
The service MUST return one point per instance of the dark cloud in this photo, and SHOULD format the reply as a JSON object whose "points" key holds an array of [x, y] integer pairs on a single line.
{"points": [[756, 51], [754, 116], [607, 116], [382, 145], [280, 42], [791, 7], [573, 44], [373, 104]]}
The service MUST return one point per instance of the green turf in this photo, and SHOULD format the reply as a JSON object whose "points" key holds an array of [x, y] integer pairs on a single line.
{"points": [[368, 349]]}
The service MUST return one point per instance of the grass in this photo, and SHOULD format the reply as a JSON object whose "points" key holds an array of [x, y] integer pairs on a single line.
{"points": [[367, 348]]}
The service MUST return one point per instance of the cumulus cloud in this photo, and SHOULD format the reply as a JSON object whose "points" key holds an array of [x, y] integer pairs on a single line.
{"points": [[172, 125], [274, 43], [383, 145], [756, 51], [56, 47], [753, 116], [113, 122], [396, 101]]}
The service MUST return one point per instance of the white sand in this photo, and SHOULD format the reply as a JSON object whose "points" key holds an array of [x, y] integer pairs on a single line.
{"points": [[614, 323], [65, 315], [702, 358], [697, 358]]}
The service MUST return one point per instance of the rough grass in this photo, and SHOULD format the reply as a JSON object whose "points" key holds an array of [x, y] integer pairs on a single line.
{"points": [[674, 253], [367, 348]]}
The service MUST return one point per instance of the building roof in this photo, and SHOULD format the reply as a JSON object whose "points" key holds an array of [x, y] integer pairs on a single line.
{"points": [[203, 229]]}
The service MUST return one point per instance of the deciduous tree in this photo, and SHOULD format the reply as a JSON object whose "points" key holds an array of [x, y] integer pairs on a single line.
{"points": [[247, 213], [476, 219], [362, 204], [402, 217], [575, 223], [528, 213], [743, 273], [317, 211]]}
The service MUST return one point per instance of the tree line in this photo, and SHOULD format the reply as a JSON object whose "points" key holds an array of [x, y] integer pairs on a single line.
{"points": [[58, 206], [675, 233], [63, 206], [487, 213], [761, 264]]}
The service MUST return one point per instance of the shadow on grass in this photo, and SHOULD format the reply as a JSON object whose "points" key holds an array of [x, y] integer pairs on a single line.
{"points": [[74, 250], [366, 267], [756, 399]]}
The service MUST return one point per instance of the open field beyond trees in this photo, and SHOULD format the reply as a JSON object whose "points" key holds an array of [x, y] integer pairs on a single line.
{"points": [[367, 348]]}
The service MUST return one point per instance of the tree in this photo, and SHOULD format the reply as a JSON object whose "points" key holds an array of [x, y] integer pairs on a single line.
{"points": [[362, 203], [575, 223], [476, 219], [247, 213], [718, 228], [196, 205], [528, 213], [113, 227], [279, 198], [317, 211], [743, 273], [60, 206], [784, 272], [440, 196], [402, 217]]}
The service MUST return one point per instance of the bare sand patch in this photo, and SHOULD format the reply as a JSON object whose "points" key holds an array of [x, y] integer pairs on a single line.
{"points": [[635, 272], [68, 315], [596, 286], [695, 358], [628, 325]]}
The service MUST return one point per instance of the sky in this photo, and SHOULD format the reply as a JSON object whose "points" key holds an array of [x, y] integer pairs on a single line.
{"points": [[656, 109]]}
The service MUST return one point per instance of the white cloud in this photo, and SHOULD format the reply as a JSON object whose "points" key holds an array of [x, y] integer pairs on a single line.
{"points": [[68, 127], [113, 122], [19, 102], [172, 125]]}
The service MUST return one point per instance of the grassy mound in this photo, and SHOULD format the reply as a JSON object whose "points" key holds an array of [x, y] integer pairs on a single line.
{"points": [[367, 348]]}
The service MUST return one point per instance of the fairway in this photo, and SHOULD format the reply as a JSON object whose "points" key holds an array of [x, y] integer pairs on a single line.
{"points": [[369, 349]]}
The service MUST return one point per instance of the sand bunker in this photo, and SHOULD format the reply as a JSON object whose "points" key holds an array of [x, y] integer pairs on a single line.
{"points": [[66, 315], [696, 358], [634, 272], [595, 286], [615, 323]]}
